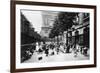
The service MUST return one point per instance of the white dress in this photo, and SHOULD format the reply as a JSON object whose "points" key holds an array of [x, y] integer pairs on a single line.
{"points": [[37, 47]]}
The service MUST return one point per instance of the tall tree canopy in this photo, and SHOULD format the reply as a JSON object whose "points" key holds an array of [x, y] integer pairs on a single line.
{"points": [[63, 23]]}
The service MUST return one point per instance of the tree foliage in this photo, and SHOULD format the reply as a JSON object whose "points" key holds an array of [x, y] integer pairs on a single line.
{"points": [[62, 23]]}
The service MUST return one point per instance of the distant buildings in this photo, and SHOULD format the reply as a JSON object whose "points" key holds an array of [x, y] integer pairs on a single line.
{"points": [[48, 20]]}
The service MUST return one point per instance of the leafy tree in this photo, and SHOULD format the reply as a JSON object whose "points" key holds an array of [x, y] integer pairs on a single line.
{"points": [[63, 23]]}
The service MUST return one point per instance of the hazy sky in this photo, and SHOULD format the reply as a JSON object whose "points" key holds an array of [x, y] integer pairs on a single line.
{"points": [[35, 17]]}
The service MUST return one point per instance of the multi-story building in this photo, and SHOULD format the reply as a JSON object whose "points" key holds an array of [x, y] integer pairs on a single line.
{"points": [[25, 27], [48, 20], [28, 35], [79, 34]]}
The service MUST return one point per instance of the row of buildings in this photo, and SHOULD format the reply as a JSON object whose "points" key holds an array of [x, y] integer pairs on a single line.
{"points": [[28, 34], [78, 34]]}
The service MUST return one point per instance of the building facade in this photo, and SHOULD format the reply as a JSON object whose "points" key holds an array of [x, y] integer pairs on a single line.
{"points": [[25, 28], [78, 34], [48, 20]]}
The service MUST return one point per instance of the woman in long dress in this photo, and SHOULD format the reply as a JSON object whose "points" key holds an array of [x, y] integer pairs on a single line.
{"points": [[37, 47]]}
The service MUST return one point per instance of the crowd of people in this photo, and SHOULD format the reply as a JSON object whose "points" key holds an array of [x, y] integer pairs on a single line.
{"points": [[55, 48], [51, 48]]}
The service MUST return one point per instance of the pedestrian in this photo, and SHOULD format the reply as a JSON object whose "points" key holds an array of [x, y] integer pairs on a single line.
{"points": [[67, 49], [85, 51], [46, 52], [76, 50], [37, 46]]}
